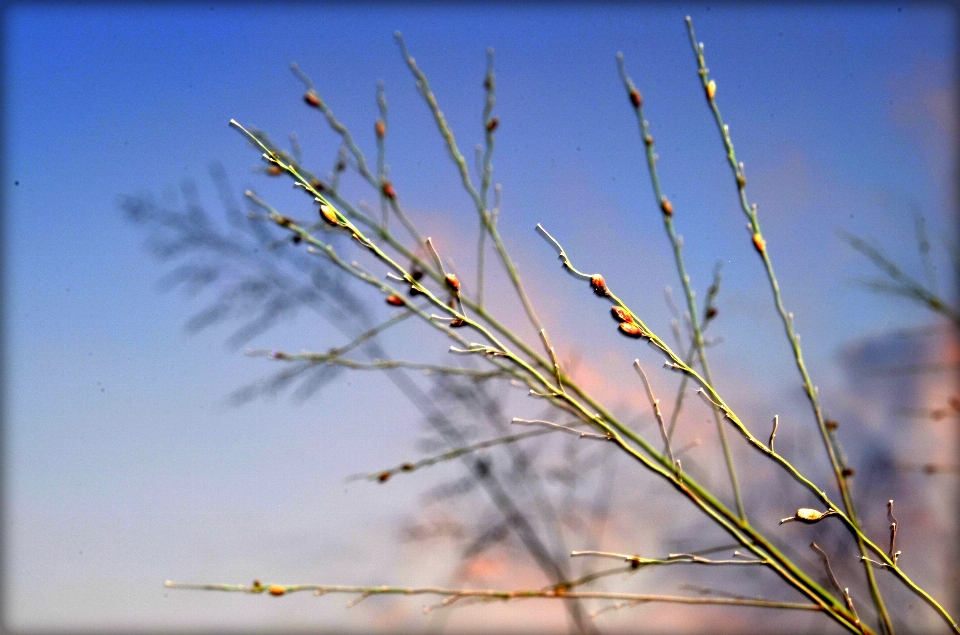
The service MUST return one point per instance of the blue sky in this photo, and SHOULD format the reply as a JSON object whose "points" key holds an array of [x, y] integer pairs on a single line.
{"points": [[119, 444]]}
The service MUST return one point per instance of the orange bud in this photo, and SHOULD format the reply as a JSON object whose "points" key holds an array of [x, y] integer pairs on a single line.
{"points": [[452, 282], [759, 243], [457, 323], [620, 314], [492, 124], [277, 590], [666, 206], [311, 98], [394, 300], [388, 190], [328, 214], [274, 170], [599, 285], [630, 329], [383, 477], [635, 98], [381, 129], [711, 89], [831, 425]]}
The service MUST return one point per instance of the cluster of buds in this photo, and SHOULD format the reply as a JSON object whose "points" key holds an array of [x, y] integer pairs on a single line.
{"points": [[627, 325], [388, 190], [311, 98], [599, 285], [711, 90], [327, 213]]}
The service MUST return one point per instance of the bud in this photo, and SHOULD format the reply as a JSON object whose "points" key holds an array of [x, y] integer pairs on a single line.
{"points": [[340, 166], [599, 285], [711, 313], [759, 243], [311, 98], [383, 477], [648, 140], [457, 323], [452, 282], [274, 170], [848, 472], [277, 590], [620, 314], [394, 300], [711, 89], [283, 221], [317, 185], [635, 98], [388, 190], [831, 425], [380, 128], [741, 180], [416, 273], [630, 329], [407, 467], [327, 213], [666, 206], [296, 238], [492, 123]]}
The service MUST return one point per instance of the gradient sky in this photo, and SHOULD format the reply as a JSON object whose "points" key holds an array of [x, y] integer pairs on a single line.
{"points": [[124, 467]]}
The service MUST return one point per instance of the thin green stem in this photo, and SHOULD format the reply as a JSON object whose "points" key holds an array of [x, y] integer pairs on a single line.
{"points": [[667, 212], [787, 318]]}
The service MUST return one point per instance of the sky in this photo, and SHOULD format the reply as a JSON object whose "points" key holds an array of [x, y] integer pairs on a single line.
{"points": [[124, 464]]}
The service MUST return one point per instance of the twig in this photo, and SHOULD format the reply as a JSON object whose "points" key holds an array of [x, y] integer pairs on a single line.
{"points": [[550, 424], [655, 404]]}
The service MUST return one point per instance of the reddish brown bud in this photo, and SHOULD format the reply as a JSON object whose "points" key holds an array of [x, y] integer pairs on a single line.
{"points": [[831, 425], [457, 323], [273, 170], [388, 190], [711, 313], [311, 98], [453, 282], [847, 472], [666, 206], [327, 213], [296, 238], [407, 467], [492, 124], [599, 285], [277, 590], [340, 166], [620, 314], [648, 140], [630, 329], [635, 98], [256, 584], [380, 128], [759, 243], [394, 300], [383, 477], [452, 303], [317, 185], [283, 221], [416, 274]]}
